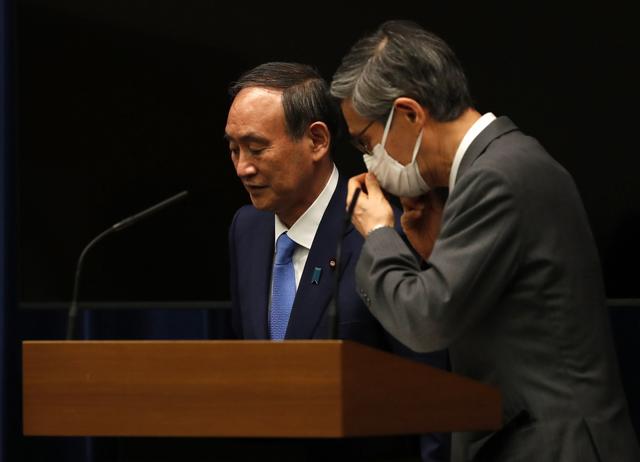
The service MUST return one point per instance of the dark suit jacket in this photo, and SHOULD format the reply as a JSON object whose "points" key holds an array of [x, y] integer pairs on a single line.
{"points": [[514, 290], [251, 244]]}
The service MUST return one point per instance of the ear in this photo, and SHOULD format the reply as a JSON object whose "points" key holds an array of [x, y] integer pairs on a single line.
{"points": [[320, 139], [411, 111]]}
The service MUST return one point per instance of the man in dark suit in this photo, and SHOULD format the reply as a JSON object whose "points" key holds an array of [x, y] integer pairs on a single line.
{"points": [[511, 281], [281, 129]]}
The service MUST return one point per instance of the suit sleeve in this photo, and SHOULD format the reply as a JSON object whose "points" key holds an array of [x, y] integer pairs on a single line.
{"points": [[236, 321], [435, 358], [473, 261]]}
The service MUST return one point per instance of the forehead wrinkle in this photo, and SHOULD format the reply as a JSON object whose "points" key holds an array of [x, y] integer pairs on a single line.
{"points": [[247, 138], [256, 111]]}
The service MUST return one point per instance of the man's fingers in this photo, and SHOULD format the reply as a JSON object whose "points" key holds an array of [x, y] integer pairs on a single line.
{"points": [[372, 185], [413, 203], [410, 219], [354, 183]]}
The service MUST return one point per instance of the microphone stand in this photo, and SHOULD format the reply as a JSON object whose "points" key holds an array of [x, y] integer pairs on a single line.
{"points": [[73, 308], [334, 309]]}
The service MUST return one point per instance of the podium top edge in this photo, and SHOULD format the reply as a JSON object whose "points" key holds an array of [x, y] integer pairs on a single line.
{"points": [[188, 342]]}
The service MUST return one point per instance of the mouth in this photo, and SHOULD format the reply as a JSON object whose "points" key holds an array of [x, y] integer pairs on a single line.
{"points": [[254, 187]]}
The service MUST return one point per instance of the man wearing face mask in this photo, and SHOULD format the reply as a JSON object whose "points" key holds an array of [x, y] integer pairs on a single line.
{"points": [[509, 280], [282, 127]]}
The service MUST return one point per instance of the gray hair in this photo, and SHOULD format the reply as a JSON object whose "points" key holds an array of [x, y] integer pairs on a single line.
{"points": [[402, 59]]}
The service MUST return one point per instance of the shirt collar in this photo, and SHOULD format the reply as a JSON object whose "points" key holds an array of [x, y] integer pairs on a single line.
{"points": [[471, 134], [304, 229]]}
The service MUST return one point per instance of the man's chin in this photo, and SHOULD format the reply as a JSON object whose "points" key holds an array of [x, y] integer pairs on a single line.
{"points": [[261, 203]]}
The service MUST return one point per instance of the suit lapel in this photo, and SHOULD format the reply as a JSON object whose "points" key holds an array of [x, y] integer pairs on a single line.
{"points": [[259, 277], [312, 299], [497, 128]]}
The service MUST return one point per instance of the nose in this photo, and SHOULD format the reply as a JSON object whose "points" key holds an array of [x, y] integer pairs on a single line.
{"points": [[244, 165]]}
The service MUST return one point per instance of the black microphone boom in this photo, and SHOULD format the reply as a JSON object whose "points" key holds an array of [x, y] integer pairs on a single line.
{"points": [[73, 308], [334, 309]]}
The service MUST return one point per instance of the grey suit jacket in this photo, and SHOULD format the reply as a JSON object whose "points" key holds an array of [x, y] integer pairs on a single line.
{"points": [[514, 289]]}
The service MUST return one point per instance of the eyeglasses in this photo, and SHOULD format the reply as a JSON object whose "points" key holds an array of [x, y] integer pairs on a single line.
{"points": [[357, 143]]}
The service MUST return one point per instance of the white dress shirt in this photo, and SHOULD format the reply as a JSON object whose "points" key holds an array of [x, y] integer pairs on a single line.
{"points": [[471, 135]]}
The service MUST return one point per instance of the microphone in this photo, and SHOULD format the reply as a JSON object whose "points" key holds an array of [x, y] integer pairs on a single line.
{"points": [[334, 310], [73, 308]]}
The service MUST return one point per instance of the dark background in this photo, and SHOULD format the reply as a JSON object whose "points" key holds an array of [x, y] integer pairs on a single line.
{"points": [[118, 104], [123, 103]]}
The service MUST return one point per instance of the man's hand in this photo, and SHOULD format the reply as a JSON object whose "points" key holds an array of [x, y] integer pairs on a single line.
{"points": [[372, 208], [421, 220]]}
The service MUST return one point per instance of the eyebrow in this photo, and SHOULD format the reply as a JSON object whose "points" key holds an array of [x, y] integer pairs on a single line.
{"points": [[247, 138]]}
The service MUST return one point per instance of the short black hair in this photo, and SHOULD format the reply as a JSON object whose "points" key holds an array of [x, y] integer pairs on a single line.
{"points": [[305, 95]]}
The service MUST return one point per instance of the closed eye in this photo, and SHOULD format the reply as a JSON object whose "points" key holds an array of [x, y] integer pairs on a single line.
{"points": [[257, 151]]}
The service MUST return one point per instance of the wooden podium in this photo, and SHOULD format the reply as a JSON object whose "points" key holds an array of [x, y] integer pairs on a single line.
{"points": [[324, 388]]}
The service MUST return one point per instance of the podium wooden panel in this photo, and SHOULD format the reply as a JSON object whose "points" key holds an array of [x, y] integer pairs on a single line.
{"points": [[242, 388]]}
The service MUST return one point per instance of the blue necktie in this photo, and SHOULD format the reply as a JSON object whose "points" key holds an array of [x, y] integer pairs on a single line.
{"points": [[284, 287]]}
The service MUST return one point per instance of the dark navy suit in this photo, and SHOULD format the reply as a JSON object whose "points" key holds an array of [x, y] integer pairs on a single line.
{"points": [[251, 241], [251, 248]]}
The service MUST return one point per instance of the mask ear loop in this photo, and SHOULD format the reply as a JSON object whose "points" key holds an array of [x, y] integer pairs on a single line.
{"points": [[387, 127], [416, 148], [423, 184]]}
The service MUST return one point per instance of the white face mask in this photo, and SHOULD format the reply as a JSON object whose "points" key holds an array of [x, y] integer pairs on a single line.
{"points": [[395, 178]]}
